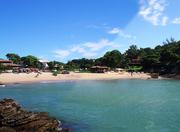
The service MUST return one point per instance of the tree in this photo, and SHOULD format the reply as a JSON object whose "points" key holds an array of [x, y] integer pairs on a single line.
{"points": [[55, 65], [2, 68], [149, 58], [80, 64], [30, 61], [149, 61], [14, 57], [167, 57], [112, 59], [178, 66], [169, 41], [132, 52]]}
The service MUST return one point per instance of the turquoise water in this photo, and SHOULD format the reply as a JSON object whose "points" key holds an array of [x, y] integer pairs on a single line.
{"points": [[105, 106]]}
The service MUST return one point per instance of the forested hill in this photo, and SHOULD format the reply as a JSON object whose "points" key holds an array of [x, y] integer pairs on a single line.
{"points": [[163, 59]]}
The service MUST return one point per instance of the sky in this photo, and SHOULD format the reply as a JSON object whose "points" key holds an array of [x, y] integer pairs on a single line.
{"points": [[70, 29]]}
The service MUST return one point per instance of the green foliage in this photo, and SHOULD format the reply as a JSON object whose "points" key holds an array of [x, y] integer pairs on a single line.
{"points": [[169, 41], [112, 59], [80, 64], [55, 65], [135, 68], [55, 73], [14, 57], [31, 61], [149, 60], [165, 57], [132, 52], [2, 68]]}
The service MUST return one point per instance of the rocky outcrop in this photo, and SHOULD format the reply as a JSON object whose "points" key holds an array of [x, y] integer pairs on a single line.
{"points": [[13, 118]]}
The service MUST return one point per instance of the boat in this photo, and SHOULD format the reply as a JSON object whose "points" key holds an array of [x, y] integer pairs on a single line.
{"points": [[2, 85]]}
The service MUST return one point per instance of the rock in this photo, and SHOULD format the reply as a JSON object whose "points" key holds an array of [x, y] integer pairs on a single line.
{"points": [[13, 118], [155, 75]]}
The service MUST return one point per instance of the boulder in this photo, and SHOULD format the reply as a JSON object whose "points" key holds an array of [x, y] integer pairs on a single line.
{"points": [[13, 118]]}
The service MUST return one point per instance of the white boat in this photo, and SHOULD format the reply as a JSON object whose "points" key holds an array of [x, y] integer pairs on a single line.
{"points": [[2, 85]]}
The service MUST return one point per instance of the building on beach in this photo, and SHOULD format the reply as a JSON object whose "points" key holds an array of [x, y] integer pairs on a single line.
{"points": [[135, 62], [4, 62], [9, 65], [100, 69], [44, 64]]}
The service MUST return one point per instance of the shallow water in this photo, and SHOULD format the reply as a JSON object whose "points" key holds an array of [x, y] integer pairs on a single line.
{"points": [[105, 106]]}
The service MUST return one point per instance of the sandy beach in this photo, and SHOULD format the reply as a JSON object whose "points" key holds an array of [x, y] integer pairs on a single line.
{"points": [[8, 78]]}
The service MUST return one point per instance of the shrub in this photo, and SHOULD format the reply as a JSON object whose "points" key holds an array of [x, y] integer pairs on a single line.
{"points": [[55, 73]]}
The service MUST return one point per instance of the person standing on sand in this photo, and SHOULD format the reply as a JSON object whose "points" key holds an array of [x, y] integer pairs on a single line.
{"points": [[131, 73], [38, 73]]}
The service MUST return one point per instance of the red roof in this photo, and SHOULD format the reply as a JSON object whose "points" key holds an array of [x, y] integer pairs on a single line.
{"points": [[13, 65], [6, 61]]}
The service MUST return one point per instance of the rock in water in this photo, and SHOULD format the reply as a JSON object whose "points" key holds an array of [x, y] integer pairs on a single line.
{"points": [[13, 118]]}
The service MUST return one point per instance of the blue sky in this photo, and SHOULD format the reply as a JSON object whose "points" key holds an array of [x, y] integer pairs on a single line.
{"points": [[67, 29]]}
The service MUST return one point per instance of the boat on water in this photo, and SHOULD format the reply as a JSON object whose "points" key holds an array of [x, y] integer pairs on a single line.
{"points": [[2, 85]]}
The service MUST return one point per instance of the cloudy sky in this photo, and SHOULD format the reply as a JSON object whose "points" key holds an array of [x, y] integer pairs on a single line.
{"points": [[67, 29]]}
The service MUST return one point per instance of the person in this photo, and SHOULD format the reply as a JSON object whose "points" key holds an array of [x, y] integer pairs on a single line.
{"points": [[38, 73], [131, 73]]}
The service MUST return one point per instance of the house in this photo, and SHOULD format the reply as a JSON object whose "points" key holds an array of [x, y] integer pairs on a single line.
{"points": [[135, 62], [135, 65], [5, 62], [99, 69], [9, 65], [45, 64]]}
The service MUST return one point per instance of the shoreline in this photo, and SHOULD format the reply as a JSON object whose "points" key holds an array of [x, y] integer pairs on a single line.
{"points": [[47, 77], [74, 80]]}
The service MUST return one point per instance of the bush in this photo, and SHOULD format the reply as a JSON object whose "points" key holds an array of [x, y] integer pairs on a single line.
{"points": [[55, 73], [2, 68]]}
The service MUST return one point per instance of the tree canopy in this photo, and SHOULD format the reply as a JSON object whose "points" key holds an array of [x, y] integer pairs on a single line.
{"points": [[55, 65], [111, 59], [80, 64], [14, 57], [31, 61], [132, 52]]}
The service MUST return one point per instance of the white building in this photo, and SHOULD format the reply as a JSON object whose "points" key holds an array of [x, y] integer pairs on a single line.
{"points": [[45, 63]]}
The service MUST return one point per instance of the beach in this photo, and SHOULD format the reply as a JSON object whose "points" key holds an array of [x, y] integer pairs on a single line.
{"points": [[10, 78]]}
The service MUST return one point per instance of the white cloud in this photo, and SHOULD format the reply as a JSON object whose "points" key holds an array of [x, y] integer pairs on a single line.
{"points": [[96, 46], [87, 49], [114, 31], [78, 49], [176, 20], [165, 20], [121, 33], [153, 11], [61, 53]]}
